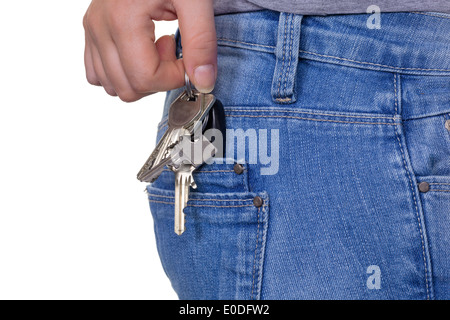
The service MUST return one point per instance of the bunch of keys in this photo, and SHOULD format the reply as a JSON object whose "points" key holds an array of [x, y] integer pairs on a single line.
{"points": [[183, 147]]}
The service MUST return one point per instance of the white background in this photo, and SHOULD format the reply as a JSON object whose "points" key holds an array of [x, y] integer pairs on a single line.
{"points": [[74, 220]]}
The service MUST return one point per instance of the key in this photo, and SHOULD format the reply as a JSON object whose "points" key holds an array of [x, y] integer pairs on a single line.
{"points": [[193, 155], [185, 115], [183, 181], [183, 147]]}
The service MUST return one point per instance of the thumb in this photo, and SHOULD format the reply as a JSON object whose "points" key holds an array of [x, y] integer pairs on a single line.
{"points": [[199, 42]]}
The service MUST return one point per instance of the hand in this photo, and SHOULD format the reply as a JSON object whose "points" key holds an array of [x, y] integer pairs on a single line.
{"points": [[122, 56]]}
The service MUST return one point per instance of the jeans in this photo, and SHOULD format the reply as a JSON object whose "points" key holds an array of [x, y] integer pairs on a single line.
{"points": [[341, 136]]}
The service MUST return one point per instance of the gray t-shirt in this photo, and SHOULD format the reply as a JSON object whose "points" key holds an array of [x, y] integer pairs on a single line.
{"points": [[324, 7]]}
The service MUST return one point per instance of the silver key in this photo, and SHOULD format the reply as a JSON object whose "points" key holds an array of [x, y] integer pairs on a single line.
{"points": [[183, 181], [185, 115], [184, 166], [180, 146]]}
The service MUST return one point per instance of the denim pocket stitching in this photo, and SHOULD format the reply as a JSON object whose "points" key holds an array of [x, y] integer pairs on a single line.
{"points": [[437, 15], [260, 243], [254, 259], [172, 197], [282, 110], [417, 213], [220, 42], [441, 185], [162, 125], [311, 119], [204, 171], [204, 205], [371, 63]]}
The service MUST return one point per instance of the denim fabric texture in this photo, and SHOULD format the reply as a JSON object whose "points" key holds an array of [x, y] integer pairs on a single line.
{"points": [[361, 115]]}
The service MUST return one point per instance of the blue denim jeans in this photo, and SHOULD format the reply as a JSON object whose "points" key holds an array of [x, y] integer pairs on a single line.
{"points": [[358, 205]]}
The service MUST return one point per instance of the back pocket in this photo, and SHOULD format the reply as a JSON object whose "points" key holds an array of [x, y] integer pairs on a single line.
{"points": [[220, 255], [428, 142]]}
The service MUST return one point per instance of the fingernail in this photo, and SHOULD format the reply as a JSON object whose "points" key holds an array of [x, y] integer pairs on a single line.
{"points": [[204, 78]]}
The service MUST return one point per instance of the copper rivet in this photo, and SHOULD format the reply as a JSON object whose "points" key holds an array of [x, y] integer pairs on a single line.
{"points": [[424, 186], [238, 168], [447, 125], [258, 201]]}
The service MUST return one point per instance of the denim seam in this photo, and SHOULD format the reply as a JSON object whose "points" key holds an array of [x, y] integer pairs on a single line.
{"points": [[416, 211], [203, 205], [413, 190], [320, 120], [437, 114], [284, 55], [213, 171], [339, 58], [290, 44], [440, 190], [431, 15], [245, 181], [372, 63], [262, 248], [254, 260], [246, 43], [219, 200], [314, 113], [205, 171], [446, 184], [395, 94], [161, 127]]}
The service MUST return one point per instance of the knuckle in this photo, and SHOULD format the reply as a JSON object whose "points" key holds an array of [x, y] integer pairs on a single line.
{"points": [[115, 21], [110, 91], [128, 96], [115, 17], [92, 80], [141, 84], [91, 21], [204, 40], [85, 21]]}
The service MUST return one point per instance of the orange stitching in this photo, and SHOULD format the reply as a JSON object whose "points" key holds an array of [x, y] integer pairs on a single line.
{"points": [[204, 171], [417, 211], [431, 15], [162, 126], [213, 171], [199, 205], [301, 118], [283, 99], [395, 93], [246, 43], [172, 197], [371, 63], [254, 262], [249, 109], [260, 250], [160, 202], [339, 58]]}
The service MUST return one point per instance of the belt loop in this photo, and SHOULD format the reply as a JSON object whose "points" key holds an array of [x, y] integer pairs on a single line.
{"points": [[286, 52]]}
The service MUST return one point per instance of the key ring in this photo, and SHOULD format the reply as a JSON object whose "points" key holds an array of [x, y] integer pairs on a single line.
{"points": [[187, 83]]}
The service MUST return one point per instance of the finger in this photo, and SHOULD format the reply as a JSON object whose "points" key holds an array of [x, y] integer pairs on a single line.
{"points": [[145, 68], [198, 36], [91, 76], [166, 47], [114, 72], [100, 72]]}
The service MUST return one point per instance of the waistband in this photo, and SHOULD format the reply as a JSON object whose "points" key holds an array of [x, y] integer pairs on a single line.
{"points": [[409, 43]]}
